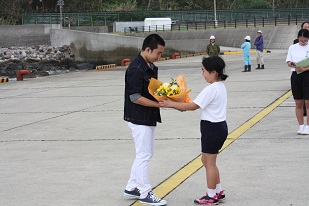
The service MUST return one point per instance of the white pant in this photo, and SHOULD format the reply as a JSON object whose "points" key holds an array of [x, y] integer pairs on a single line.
{"points": [[259, 57], [144, 137]]}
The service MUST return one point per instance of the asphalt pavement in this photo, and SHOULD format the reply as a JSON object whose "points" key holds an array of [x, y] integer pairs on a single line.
{"points": [[63, 140]]}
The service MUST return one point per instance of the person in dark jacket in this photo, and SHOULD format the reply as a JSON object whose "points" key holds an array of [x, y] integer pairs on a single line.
{"points": [[259, 44], [142, 112], [213, 48]]}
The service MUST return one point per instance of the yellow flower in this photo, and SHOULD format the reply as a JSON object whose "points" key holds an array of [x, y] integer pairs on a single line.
{"points": [[168, 89]]}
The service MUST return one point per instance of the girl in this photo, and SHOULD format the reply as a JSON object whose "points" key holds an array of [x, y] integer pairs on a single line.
{"points": [[212, 101], [300, 78]]}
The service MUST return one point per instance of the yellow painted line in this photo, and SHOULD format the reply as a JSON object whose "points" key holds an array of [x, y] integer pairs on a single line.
{"points": [[255, 119], [240, 52], [184, 173]]}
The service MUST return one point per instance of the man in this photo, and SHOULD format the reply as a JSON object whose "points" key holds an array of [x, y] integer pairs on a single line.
{"points": [[259, 43], [142, 112], [213, 48]]}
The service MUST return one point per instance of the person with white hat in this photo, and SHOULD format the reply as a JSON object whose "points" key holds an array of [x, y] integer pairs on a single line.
{"points": [[259, 44], [213, 48], [246, 46]]}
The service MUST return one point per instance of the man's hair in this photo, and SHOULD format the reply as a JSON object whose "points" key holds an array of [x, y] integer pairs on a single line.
{"points": [[152, 41], [303, 33]]}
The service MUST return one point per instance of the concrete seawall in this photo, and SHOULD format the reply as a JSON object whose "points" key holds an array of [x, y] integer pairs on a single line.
{"points": [[111, 48], [279, 37], [97, 47], [25, 35]]}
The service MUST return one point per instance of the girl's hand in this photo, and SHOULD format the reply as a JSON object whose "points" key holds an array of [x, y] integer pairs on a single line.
{"points": [[167, 103], [292, 64], [300, 69]]}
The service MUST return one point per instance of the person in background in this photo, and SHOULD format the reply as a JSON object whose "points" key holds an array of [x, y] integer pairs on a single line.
{"points": [[213, 48], [246, 46], [259, 44], [300, 78], [142, 112], [304, 25], [212, 101]]}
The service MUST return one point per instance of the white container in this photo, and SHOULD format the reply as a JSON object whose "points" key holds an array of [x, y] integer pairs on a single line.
{"points": [[157, 24]]}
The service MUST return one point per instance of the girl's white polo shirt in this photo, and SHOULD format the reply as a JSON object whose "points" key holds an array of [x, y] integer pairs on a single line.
{"points": [[213, 101]]}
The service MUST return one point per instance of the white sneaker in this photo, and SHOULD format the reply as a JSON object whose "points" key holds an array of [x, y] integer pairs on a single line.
{"points": [[305, 130], [301, 129]]}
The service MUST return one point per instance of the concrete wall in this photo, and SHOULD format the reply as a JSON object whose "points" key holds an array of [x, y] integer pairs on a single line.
{"points": [[280, 37], [112, 48], [96, 29], [25, 35], [97, 47]]}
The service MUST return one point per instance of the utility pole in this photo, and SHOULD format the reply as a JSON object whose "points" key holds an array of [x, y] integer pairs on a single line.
{"points": [[60, 3], [273, 8], [215, 14]]}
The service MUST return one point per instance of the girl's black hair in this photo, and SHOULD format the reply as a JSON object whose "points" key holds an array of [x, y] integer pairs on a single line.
{"points": [[304, 33], [152, 41], [302, 25], [215, 63], [247, 40]]}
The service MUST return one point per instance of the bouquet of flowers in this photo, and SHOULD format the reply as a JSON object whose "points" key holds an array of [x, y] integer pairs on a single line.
{"points": [[175, 90]]}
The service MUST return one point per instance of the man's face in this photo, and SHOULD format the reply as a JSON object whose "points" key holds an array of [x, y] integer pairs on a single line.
{"points": [[259, 34], [154, 55]]}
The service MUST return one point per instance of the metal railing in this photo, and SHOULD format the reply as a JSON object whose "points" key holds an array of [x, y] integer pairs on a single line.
{"points": [[203, 25], [77, 19], [107, 18]]}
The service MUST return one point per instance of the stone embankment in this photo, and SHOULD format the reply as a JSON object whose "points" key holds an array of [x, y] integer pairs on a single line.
{"points": [[41, 60]]}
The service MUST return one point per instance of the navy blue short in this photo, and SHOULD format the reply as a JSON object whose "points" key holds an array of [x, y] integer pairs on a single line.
{"points": [[213, 136]]}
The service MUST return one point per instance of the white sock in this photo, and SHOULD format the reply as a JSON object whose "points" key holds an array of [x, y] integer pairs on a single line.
{"points": [[218, 188], [211, 193], [301, 126]]}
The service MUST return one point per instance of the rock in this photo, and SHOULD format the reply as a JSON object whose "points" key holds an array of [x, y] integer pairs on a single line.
{"points": [[11, 70], [35, 74], [84, 66], [30, 60], [41, 60]]}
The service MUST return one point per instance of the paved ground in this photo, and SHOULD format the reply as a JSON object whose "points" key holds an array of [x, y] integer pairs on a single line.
{"points": [[63, 141]]}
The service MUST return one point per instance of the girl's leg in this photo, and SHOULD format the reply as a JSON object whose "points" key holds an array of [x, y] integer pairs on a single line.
{"points": [[212, 178], [212, 171], [307, 110], [299, 110]]}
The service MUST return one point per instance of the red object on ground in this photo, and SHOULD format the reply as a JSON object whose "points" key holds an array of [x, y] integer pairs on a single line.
{"points": [[20, 74], [124, 61], [175, 55]]}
